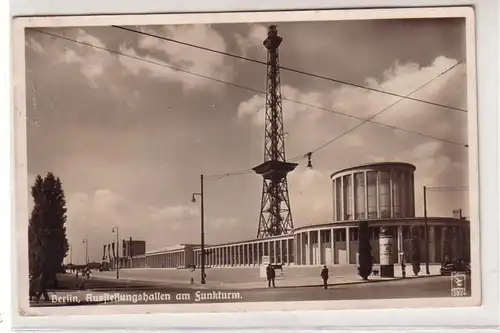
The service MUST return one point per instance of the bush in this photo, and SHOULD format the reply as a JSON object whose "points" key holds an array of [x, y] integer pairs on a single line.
{"points": [[415, 250], [365, 251]]}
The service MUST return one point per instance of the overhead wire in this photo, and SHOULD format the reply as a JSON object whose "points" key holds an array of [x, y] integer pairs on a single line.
{"points": [[284, 68], [308, 154], [248, 171], [243, 87]]}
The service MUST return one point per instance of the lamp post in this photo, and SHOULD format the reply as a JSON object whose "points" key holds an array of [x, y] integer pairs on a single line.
{"points": [[426, 234], [70, 254], [202, 229], [86, 242], [115, 229]]}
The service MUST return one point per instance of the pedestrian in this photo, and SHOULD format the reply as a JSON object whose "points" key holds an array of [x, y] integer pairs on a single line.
{"points": [[43, 288], [34, 287], [271, 275], [324, 276]]}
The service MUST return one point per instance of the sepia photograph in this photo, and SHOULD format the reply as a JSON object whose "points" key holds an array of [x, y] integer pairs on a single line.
{"points": [[293, 159]]}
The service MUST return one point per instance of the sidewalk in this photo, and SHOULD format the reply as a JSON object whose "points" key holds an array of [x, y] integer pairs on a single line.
{"points": [[289, 281]]}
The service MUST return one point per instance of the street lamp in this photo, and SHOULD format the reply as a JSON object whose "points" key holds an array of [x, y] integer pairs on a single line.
{"points": [[202, 229], [426, 234], [117, 253], [70, 254], [86, 242]]}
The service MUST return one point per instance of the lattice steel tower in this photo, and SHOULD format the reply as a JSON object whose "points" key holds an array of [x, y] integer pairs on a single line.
{"points": [[275, 212]]}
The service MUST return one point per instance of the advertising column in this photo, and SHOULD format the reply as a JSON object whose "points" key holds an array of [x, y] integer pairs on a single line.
{"points": [[386, 262]]}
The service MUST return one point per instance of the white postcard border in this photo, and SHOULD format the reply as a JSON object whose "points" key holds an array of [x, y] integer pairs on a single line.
{"points": [[21, 174]]}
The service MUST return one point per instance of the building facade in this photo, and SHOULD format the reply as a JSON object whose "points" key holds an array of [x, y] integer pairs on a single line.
{"points": [[382, 194]]}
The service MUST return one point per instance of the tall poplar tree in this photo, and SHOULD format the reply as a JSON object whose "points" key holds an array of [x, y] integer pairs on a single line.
{"points": [[48, 245], [365, 251]]}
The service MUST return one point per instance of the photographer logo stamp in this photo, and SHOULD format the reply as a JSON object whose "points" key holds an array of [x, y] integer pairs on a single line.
{"points": [[458, 284]]}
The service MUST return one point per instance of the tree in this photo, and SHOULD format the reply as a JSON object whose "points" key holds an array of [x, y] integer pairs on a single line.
{"points": [[365, 251], [48, 245], [415, 250]]}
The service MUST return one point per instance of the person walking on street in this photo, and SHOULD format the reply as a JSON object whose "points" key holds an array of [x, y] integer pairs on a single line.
{"points": [[43, 287], [271, 275], [324, 276]]}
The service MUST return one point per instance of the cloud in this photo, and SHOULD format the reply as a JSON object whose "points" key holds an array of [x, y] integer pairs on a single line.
{"points": [[32, 44], [252, 39], [174, 212], [186, 58], [436, 162], [255, 107], [92, 62], [310, 196]]}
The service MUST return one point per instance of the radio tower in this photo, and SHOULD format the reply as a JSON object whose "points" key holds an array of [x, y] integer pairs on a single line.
{"points": [[275, 212]]}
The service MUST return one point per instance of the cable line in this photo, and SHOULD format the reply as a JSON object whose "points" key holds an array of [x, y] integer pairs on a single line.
{"points": [[235, 85], [286, 68], [308, 154], [249, 171]]}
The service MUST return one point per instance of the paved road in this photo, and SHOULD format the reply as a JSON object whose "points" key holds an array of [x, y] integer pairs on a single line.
{"points": [[136, 293]]}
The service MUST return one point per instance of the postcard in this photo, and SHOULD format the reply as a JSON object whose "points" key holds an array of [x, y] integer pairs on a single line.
{"points": [[305, 160]]}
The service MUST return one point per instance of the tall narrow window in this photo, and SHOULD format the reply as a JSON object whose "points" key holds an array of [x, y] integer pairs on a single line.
{"points": [[396, 193], [347, 198], [371, 179], [359, 195], [404, 193], [384, 195], [338, 198]]}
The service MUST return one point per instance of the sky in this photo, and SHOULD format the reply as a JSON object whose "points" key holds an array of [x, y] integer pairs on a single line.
{"points": [[129, 137]]}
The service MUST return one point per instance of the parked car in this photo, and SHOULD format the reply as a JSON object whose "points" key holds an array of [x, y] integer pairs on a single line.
{"points": [[448, 268]]}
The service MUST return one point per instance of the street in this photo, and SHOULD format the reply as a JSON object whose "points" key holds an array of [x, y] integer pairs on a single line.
{"points": [[122, 292]]}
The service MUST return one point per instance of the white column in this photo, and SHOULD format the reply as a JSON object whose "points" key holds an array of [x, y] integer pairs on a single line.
{"points": [[342, 196], [300, 251], [309, 249], [348, 244], [332, 245], [400, 242], [353, 208], [318, 255], [334, 191]]}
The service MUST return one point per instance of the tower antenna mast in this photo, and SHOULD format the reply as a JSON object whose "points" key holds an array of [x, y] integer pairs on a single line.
{"points": [[275, 212]]}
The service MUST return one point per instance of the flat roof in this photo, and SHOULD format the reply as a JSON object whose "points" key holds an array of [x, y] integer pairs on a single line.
{"points": [[376, 165]]}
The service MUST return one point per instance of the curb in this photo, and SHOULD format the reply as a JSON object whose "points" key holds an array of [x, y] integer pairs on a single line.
{"points": [[222, 287]]}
